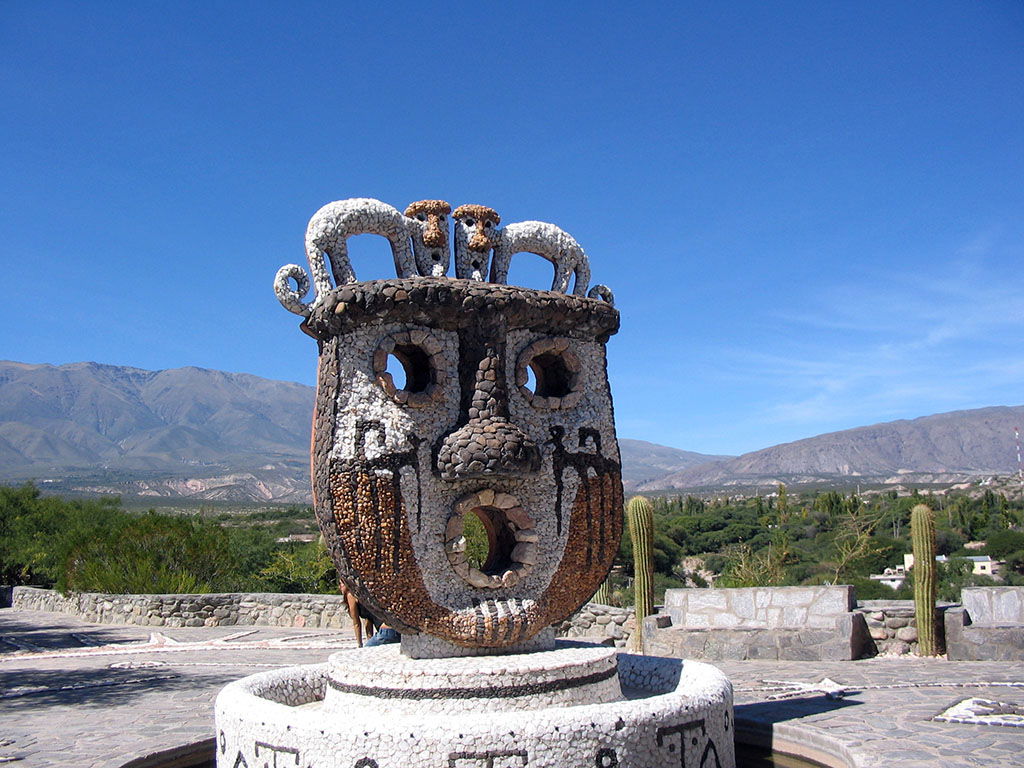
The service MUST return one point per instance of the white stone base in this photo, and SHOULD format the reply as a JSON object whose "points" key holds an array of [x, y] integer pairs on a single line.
{"points": [[674, 714]]}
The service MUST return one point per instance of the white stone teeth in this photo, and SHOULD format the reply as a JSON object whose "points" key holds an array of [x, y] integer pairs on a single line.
{"points": [[504, 501], [525, 552], [456, 546], [528, 535]]}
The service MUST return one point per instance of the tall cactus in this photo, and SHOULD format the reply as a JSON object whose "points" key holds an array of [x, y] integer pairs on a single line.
{"points": [[603, 596], [922, 532], [640, 516]]}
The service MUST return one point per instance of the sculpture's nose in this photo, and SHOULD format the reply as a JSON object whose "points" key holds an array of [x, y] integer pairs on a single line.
{"points": [[479, 242], [491, 448], [488, 444], [433, 237]]}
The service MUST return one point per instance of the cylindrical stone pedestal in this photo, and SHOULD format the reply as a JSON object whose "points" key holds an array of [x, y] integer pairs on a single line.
{"points": [[383, 679], [581, 706]]}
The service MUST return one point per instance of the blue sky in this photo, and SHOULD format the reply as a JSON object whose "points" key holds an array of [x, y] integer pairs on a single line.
{"points": [[810, 212]]}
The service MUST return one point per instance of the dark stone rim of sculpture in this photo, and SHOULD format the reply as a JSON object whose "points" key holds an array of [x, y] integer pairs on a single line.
{"points": [[442, 302]]}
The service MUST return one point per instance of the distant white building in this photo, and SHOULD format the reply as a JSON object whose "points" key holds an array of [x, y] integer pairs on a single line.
{"points": [[982, 565], [303, 538]]}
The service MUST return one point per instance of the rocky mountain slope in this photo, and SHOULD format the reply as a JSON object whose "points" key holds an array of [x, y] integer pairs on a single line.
{"points": [[943, 448], [186, 432], [644, 463]]}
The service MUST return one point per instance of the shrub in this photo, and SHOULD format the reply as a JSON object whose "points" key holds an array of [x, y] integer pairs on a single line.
{"points": [[1002, 544]]}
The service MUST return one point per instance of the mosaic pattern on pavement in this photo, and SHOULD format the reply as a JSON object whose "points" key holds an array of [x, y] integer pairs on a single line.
{"points": [[984, 712]]}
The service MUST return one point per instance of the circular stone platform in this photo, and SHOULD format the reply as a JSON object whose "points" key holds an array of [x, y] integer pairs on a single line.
{"points": [[670, 713], [381, 678]]}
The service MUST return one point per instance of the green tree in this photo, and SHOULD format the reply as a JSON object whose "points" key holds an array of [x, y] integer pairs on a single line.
{"points": [[478, 544], [830, 504], [854, 542], [305, 568], [150, 554], [782, 505], [94, 544], [749, 568], [1003, 543]]}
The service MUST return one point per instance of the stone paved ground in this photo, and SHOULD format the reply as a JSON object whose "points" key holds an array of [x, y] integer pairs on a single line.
{"points": [[885, 716], [83, 695]]}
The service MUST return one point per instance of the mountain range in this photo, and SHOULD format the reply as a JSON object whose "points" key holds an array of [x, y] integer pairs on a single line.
{"points": [[194, 432], [212, 435], [942, 448], [185, 432]]}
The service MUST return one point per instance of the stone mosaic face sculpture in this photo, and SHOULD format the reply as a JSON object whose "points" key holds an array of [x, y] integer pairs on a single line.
{"points": [[504, 414]]}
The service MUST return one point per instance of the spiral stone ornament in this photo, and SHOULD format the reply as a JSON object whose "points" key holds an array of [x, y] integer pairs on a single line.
{"points": [[291, 298], [602, 292]]}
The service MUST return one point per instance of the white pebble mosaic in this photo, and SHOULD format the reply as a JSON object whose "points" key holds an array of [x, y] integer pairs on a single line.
{"points": [[672, 713]]}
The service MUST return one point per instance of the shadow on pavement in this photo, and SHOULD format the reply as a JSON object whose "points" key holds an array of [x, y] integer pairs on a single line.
{"points": [[59, 635], [768, 712], [32, 689]]}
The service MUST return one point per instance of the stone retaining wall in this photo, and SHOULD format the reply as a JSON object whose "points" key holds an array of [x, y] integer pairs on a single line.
{"points": [[210, 610], [989, 626], [893, 625], [759, 607], [996, 606], [794, 623], [599, 623]]}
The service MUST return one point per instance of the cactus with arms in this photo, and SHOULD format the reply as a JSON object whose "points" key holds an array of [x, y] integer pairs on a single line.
{"points": [[922, 531], [640, 517]]}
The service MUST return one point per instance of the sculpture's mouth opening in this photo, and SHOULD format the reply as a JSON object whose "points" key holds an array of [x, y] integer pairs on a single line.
{"points": [[490, 540]]}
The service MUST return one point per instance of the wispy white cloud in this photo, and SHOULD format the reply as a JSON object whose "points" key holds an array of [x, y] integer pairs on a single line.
{"points": [[918, 311], [895, 344], [888, 343]]}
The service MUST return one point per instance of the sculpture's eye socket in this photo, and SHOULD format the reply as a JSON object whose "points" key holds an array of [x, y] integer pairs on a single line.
{"points": [[547, 374], [421, 217], [470, 222], [488, 224], [409, 367], [551, 375]]}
